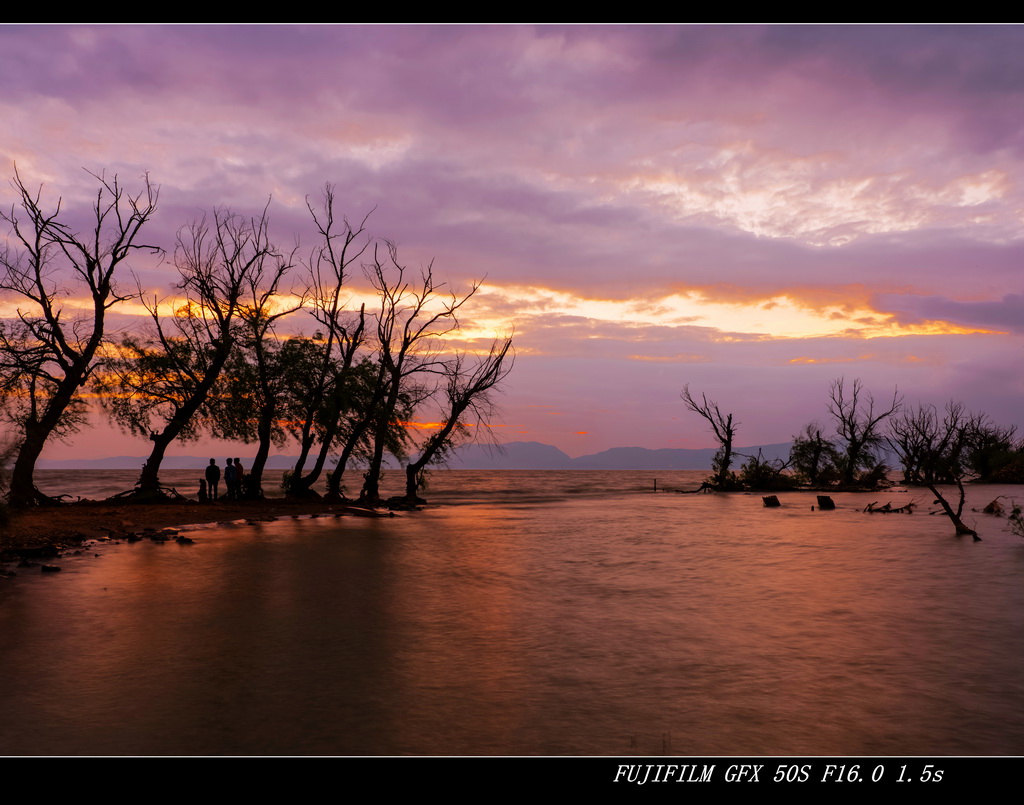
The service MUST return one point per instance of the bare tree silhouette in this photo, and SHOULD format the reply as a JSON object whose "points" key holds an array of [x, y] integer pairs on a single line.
{"points": [[858, 425], [50, 351], [467, 389], [724, 428]]}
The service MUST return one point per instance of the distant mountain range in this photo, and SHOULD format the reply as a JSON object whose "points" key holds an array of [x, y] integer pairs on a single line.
{"points": [[511, 456], [537, 456]]}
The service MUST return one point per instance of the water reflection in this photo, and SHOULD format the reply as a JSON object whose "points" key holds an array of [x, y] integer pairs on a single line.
{"points": [[557, 617]]}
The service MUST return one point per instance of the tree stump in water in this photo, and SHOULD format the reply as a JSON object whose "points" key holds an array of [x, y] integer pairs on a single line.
{"points": [[825, 503], [771, 502]]}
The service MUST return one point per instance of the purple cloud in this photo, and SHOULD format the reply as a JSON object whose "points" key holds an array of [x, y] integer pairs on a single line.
{"points": [[871, 173]]}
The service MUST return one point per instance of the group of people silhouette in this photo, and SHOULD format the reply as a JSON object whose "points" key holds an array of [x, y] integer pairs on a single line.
{"points": [[234, 478]]}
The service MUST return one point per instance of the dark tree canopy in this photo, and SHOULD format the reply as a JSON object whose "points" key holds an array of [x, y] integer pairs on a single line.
{"points": [[813, 458], [212, 359]]}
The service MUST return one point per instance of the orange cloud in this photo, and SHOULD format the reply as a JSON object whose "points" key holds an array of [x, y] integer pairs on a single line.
{"points": [[870, 356], [681, 357], [850, 296]]}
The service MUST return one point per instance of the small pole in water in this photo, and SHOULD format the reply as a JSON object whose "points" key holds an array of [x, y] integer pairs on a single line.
{"points": [[655, 484]]}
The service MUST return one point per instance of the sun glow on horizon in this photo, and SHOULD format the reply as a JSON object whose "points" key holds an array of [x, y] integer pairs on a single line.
{"points": [[779, 316]]}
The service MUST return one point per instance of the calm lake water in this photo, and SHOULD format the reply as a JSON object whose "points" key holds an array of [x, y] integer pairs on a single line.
{"points": [[555, 613]]}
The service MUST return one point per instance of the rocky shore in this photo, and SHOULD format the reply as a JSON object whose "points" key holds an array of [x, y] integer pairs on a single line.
{"points": [[44, 533]]}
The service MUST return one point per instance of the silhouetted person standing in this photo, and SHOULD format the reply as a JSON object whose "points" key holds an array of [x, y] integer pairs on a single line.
{"points": [[239, 480], [229, 480], [213, 478]]}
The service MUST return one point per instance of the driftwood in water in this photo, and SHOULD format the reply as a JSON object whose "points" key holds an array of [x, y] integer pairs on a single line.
{"points": [[889, 509], [771, 502], [704, 487], [825, 503], [995, 507]]}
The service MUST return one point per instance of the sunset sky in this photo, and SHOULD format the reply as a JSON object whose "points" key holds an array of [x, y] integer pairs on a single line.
{"points": [[750, 210]]}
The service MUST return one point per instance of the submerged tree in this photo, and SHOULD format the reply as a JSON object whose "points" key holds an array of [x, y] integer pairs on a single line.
{"points": [[858, 421], [758, 472], [49, 352], [935, 450], [997, 455], [724, 429]]}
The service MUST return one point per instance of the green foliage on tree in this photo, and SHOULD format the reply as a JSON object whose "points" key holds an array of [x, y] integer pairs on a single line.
{"points": [[211, 360]]}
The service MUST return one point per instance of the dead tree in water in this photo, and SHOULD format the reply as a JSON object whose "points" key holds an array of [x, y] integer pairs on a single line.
{"points": [[724, 429], [888, 508], [858, 422], [935, 450]]}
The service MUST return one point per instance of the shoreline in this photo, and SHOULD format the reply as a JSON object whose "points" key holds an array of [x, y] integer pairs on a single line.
{"points": [[47, 531]]}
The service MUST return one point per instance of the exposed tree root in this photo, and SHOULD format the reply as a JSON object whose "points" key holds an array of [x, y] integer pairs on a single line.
{"points": [[42, 499], [162, 494]]}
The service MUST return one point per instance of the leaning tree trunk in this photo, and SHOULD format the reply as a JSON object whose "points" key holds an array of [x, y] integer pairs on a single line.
{"points": [[254, 480], [954, 514], [414, 469], [23, 492], [149, 481], [334, 479], [370, 494], [252, 487], [302, 485]]}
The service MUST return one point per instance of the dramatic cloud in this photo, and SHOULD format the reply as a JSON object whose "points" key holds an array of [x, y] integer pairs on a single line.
{"points": [[750, 209]]}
